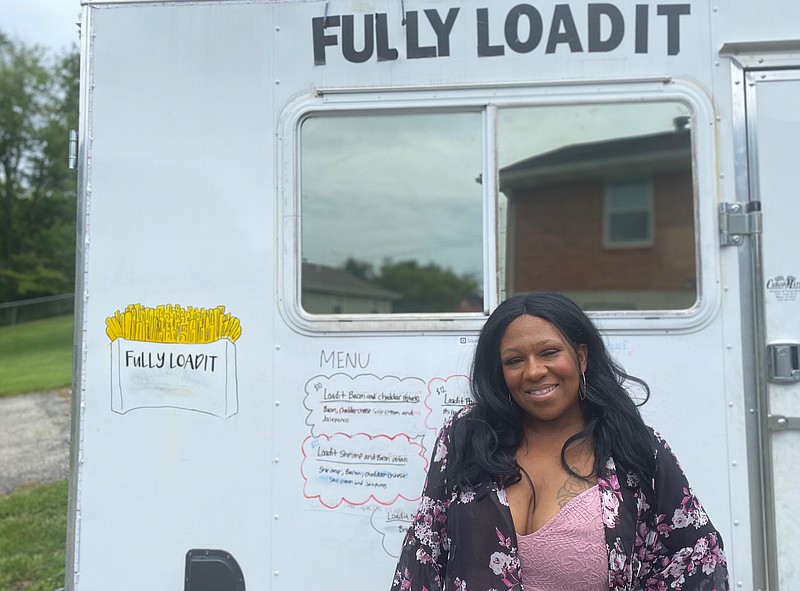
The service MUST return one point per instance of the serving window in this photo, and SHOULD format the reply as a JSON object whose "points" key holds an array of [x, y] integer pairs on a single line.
{"points": [[598, 202], [436, 214], [392, 213]]}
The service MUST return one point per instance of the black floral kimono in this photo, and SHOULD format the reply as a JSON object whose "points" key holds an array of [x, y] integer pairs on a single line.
{"points": [[465, 541]]}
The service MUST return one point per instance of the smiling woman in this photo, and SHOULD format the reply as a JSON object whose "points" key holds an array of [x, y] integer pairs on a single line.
{"points": [[551, 478], [542, 371]]}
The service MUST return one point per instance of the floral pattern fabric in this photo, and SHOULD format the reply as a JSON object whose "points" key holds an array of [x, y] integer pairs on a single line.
{"points": [[465, 540]]}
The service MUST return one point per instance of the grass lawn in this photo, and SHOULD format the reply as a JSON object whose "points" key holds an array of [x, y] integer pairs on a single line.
{"points": [[36, 356], [33, 533]]}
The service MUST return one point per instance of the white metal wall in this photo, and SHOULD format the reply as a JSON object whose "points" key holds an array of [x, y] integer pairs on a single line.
{"points": [[191, 199]]}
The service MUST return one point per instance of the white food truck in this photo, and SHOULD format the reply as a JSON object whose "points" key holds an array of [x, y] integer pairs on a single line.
{"points": [[295, 217]]}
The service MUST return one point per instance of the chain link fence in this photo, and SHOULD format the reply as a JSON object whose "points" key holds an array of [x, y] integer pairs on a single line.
{"points": [[36, 308]]}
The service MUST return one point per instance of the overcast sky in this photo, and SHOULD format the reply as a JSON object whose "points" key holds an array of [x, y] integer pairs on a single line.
{"points": [[408, 186], [47, 22]]}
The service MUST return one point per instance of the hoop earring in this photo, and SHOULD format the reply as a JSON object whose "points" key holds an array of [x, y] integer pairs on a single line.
{"points": [[582, 391]]}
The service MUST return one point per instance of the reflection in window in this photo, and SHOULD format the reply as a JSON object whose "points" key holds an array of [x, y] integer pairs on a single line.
{"points": [[391, 213], [598, 202], [628, 214]]}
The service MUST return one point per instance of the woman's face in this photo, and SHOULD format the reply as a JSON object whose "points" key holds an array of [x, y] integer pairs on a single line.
{"points": [[542, 370]]}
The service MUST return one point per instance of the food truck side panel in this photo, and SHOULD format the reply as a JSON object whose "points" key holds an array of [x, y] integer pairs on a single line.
{"points": [[215, 410]]}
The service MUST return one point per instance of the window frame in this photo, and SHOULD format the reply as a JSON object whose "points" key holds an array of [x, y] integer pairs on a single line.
{"points": [[487, 100], [450, 316]]}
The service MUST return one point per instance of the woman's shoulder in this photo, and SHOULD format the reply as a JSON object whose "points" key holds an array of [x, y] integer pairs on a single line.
{"points": [[656, 440], [663, 452]]}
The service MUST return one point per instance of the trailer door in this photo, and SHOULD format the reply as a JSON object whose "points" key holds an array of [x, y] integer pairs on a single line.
{"points": [[773, 129]]}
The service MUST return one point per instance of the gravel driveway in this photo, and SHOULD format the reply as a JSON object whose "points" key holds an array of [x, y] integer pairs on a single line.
{"points": [[34, 438]]}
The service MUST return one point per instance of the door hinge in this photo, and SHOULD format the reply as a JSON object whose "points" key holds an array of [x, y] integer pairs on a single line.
{"points": [[73, 149], [737, 220]]}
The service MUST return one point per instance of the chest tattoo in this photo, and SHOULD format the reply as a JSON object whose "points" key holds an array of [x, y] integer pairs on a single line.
{"points": [[571, 489]]}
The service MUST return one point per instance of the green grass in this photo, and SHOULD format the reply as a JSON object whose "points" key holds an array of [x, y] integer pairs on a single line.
{"points": [[36, 356], [33, 533]]}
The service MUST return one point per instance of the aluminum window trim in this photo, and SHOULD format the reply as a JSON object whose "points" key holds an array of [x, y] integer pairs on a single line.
{"points": [[488, 100]]}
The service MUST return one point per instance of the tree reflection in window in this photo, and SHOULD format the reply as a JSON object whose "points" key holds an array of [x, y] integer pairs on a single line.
{"points": [[391, 214]]}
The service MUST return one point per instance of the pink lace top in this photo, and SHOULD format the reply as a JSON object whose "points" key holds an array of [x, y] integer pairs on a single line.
{"points": [[569, 551]]}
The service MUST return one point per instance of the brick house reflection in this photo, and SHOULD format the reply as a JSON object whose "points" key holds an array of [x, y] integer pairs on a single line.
{"points": [[609, 223]]}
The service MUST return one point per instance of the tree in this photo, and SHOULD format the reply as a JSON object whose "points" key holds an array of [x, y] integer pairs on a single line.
{"points": [[360, 269], [38, 107], [426, 288]]}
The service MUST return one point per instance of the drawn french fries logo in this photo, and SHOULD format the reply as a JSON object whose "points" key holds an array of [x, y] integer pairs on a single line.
{"points": [[173, 324], [171, 356]]}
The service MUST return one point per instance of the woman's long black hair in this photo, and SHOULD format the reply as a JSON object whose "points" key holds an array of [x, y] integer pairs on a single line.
{"points": [[485, 441]]}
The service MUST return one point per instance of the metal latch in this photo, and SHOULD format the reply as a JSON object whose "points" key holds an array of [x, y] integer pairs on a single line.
{"points": [[780, 423], [783, 362], [737, 220]]}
